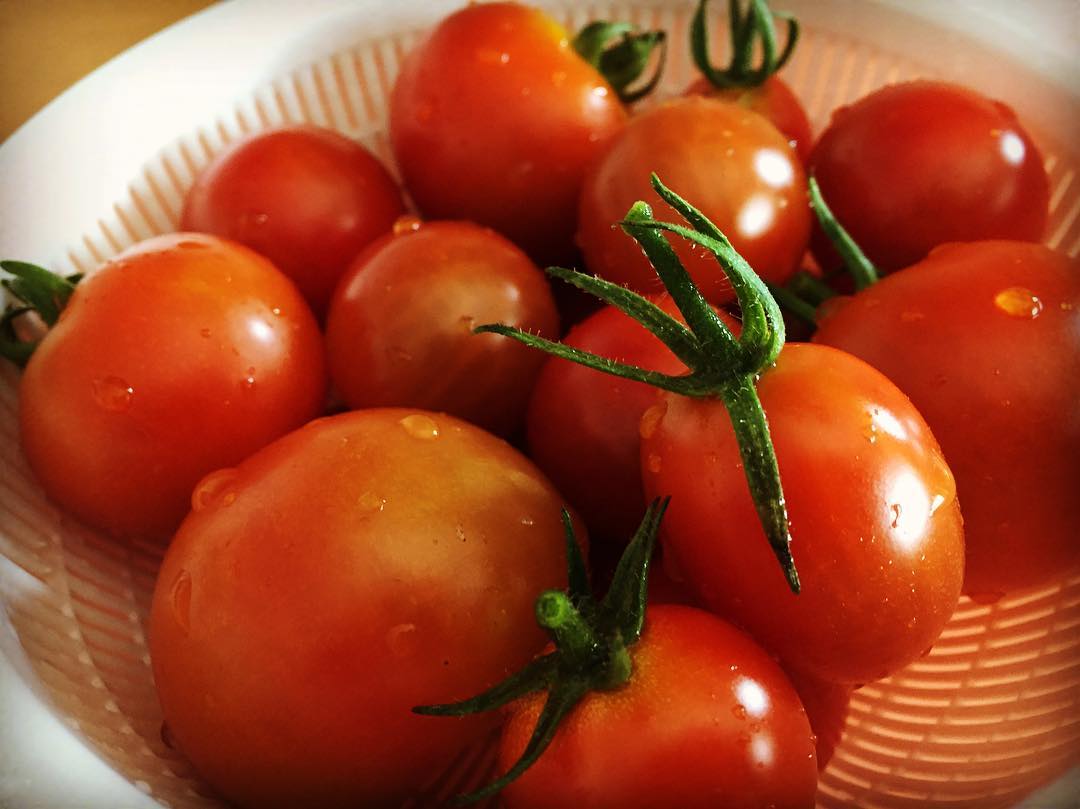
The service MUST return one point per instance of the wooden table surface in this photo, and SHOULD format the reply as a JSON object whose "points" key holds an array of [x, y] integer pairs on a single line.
{"points": [[48, 45]]}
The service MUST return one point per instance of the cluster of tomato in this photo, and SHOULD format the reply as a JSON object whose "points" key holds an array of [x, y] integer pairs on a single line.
{"points": [[331, 574]]}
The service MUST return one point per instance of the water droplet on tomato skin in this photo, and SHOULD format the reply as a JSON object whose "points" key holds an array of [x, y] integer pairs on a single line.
{"points": [[406, 224], [654, 463], [214, 489], [180, 600], [420, 426], [370, 503], [113, 394], [738, 711], [1019, 302], [249, 379], [401, 640], [650, 420]]}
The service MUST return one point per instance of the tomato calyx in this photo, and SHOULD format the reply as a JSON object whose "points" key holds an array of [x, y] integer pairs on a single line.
{"points": [[34, 289], [592, 641], [746, 28], [624, 62], [720, 364]]}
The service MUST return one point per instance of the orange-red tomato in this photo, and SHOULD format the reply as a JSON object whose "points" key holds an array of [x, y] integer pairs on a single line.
{"points": [[494, 118], [307, 198], [918, 164], [985, 339], [707, 719], [735, 167], [772, 99], [364, 564], [876, 530], [183, 354], [400, 327]]}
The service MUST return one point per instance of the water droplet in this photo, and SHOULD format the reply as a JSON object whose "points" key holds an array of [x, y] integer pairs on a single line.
{"points": [[210, 490], [276, 312], [936, 502], [1018, 302], [370, 503], [738, 711], [600, 91], [1066, 306], [420, 426], [180, 598], [528, 521], [460, 531], [401, 640], [407, 224], [654, 463], [252, 221], [895, 509], [205, 332], [249, 380], [650, 420], [113, 394]]}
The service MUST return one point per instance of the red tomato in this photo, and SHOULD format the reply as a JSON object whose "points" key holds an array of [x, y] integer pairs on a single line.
{"points": [[306, 198], [400, 327], [914, 165], [364, 564], [707, 719], [494, 118], [583, 424], [985, 339], [826, 707], [183, 354], [772, 99], [736, 167], [876, 529]]}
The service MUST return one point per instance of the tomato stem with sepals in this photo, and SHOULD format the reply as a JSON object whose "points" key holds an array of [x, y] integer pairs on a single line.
{"points": [[721, 365], [592, 640], [861, 269], [746, 27], [38, 290], [624, 62]]}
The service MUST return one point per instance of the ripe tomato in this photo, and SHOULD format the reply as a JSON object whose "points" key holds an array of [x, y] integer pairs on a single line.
{"points": [[399, 331], [985, 339], [494, 118], [583, 425], [183, 354], [739, 171], [917, 164], [364, 564], [707, 719], [876, 529], [306, 198], [772, 99]]}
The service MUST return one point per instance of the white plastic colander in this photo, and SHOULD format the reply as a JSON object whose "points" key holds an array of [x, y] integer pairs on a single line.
{"points": [[991, 714]]}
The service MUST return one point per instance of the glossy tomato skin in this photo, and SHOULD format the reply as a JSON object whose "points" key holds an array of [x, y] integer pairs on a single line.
{"points": [[735, 166], [918, 164], [494, 118], [400, 327], [985, 339], [582, 425], [774, 100], [183, 354], [877, 532], [305, 197], [364, 564], [707, 719]]}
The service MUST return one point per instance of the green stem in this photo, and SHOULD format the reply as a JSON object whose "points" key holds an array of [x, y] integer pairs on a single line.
{"points": [[746, 29], [861, 269], [38, 290], [792, 303], [624, 62]]}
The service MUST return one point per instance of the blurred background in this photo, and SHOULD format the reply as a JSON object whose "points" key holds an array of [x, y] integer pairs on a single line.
{"points": [[47, 45]]}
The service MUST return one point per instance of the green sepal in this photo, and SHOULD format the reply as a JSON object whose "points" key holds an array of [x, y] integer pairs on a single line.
{"points": [[577, 575], [38, 290], [623, 63], [623, 608], [862, 269], [746, 29], [536, 676]]}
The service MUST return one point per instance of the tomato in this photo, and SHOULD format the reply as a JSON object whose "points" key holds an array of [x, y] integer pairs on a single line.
{"points": [[985, 339], [917, 164], [826, 707], [494, 118], [707, 719], [399, 331], [183, 354], [306, 198], [364, 564], [876, 528], [583, 425], [774, 100], [739, 171]]}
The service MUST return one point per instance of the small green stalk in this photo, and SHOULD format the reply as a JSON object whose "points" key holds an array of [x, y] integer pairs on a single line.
{"points": [[721, 365], [592, 645], [861, 269], [755, 24], [622, 62], [36, 290]]}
